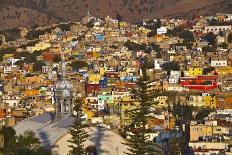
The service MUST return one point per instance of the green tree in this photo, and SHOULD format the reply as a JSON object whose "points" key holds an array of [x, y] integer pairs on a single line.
{"points": [[138, 142], [8, 50], [9, 137], [30, 59], [213, 22], [208, 49], [187, 35], [37, 66], [152, 33], [224, 45], [19, 63], [171, 65], [211, 38], [202, 114], [90, 24], [175, 32], [28, 144], [77, 131], [230, 38], [76, 65], [119, 18], [1, 57], [208, 70], [174, 147], [56, 59]]}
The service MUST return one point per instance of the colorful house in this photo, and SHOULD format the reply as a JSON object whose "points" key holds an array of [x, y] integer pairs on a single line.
{"points": [[211, 101], [94, 78], [195, 71]]}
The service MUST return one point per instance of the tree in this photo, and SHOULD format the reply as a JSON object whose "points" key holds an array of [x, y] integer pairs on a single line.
{"points": [[213, 22], [224, 45], [76, 65], [230, 38], [208, 49], [119, 18], [138, 142], [175, 32], [1, 57], [211, 38], [187, 35], [9, 137], [8, 50], [28, 144], [19, 63], [56, 59], [90, 24], [208, 70], [174, 147], [202, 114], [30, 59], [171, 65], [151, 34], [38, 66], [77, 131]]}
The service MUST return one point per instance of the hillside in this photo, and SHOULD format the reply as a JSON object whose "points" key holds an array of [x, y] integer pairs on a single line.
{"points": [[27, 13]]}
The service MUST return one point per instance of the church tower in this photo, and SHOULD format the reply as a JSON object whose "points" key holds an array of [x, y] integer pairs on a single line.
{"points": [[63, 94]]}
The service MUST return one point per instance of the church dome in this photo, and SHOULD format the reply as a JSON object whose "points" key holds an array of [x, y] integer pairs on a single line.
{"points": [[64, 85]]}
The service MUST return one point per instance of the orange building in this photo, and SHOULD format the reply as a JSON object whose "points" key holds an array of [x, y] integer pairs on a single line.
{"points": [[3, 112], [228, 102], [31, 92], [33, 80], [155, 121]]}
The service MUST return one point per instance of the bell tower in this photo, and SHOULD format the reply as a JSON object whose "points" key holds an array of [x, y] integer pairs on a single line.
{"points": [[63, 93]]}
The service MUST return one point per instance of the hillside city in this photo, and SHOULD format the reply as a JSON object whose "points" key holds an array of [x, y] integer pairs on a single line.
{"points": [[188, 64]]}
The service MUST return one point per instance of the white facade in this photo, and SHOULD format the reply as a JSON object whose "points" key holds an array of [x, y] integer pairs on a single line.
{"points": [[208, 148], [11, 100], [174, 77], [228, 17], [176, 88], [157, 64], [217, 29], [225, 111], [162, 30], [7, 70], [219, 63]]}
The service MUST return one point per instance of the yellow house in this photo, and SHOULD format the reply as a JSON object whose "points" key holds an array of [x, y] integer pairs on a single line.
{"points": [[199, 130], [95, 78], [195, 71], [211, 101], [96, 54], [39, 46], [123, 24], [162, 101], [68, 50], [196, 101], [88, 111], [102, 70], [224, 70], [123, 73], [7, 56]]}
